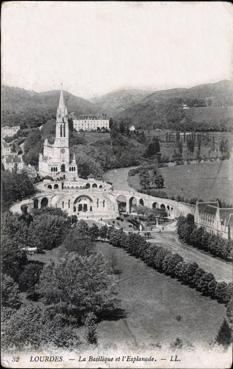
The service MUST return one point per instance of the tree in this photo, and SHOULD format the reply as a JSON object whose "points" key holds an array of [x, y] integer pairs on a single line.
{"points": [[229, 311], [13, 257], [144, 179], [224, 336], [196, 277], [47, 231], [82, 282], [103, 231], [189, 271], [37, 326], [10, 293], [159, 257], [15, 187], [79, 242], [220, 291], [33, 147], [203, 285], [153, 148], [82, 226], [94, 232], [30, 276], [212, 287]]}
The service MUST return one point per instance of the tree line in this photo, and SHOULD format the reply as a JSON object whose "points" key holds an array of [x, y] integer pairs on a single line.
{"points": [[169, 263], [76, 289], [199, 238]]}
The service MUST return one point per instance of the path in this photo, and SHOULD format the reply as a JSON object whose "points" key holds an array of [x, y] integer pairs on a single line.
{"points": [[221, 269]]}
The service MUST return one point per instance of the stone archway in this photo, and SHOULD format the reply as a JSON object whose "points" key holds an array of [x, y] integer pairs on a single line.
{"points": [[83, 203], [122, 203], [35, 203], [154, 205], [162, 206], [132, 204], [94, 185], [44, 202], [63, 168], [88, 185], [141, 202], [55, 186]]}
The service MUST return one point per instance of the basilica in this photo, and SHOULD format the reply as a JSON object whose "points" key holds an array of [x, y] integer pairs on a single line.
{"points": [[56, 159]]}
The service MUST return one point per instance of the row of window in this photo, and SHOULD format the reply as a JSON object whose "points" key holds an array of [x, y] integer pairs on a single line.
{"points": [[53, 169], [72, 169]]}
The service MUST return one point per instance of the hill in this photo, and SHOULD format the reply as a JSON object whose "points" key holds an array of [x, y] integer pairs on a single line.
{"points": [[208, 106], [31, 109], [117, 101]]}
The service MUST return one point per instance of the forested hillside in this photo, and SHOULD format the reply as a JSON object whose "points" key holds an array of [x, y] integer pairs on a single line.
{"points": [[31, 109], [204, 107]]}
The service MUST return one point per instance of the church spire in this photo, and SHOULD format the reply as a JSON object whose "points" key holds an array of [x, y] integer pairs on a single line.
{"points": [[61, 110], [61, 100]]}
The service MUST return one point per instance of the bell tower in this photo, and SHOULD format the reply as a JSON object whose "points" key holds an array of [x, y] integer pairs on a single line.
{"points": [[61, 144]]}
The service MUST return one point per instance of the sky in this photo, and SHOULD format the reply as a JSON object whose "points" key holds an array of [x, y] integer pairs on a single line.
{"points": [[96, 47]]}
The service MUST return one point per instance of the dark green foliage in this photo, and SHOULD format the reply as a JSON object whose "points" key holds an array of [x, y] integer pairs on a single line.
{"points": [[33, 147], [93, 232], [30, 276], [224, 336], [15, 187], [229, 311], [13, 257], [10, 293], [203, 240], [37, 326], [79, 281], [153, 148], [47, 231], [172, 264], [103, 231], [91, 328], [78, 241]]}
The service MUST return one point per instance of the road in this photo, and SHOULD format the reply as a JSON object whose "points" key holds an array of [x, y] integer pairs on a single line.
{"points": [[221, 269], [119, 178]]}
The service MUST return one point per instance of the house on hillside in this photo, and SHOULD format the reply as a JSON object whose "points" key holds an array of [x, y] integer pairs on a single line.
{"points": [[132, 128], [13, 162], [214, 219], [6, 148], [91, 123]]}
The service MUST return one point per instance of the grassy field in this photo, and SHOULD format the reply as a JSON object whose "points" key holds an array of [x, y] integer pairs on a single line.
{"points": [[157, 309], [206, 181]]}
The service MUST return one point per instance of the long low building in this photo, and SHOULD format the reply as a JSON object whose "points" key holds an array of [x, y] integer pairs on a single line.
{"points": [[214, 219], [91, 123]]}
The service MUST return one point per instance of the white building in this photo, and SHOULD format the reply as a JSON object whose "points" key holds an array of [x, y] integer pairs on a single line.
{"points": [[91, 123], [132, 128], [13, 162], [213, 219], [55, 160], [9, 131]]}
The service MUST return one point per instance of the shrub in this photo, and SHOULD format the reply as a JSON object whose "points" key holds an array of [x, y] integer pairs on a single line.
{"points": [[10, 293], [30, 276], [224, 336]]}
